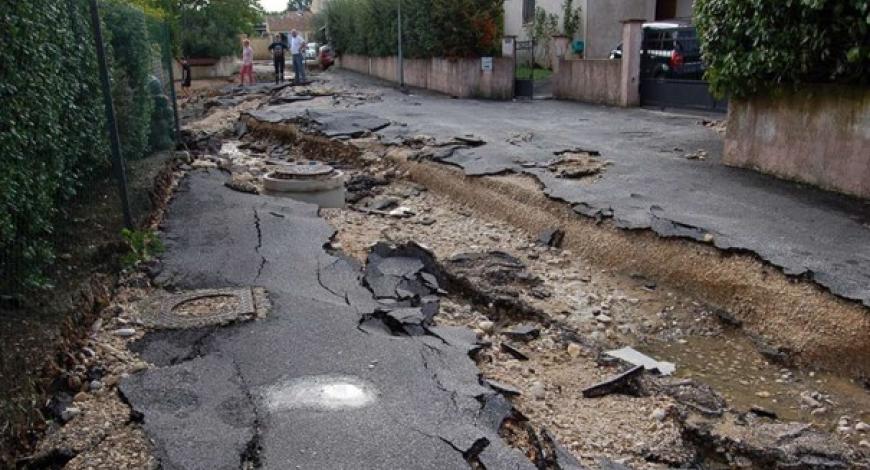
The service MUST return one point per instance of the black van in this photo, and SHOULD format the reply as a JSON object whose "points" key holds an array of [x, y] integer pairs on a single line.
{"points": [[670, 49]]}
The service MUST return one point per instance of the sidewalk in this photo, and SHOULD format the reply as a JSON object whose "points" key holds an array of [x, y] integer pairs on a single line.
{"points": [[650, 183]]}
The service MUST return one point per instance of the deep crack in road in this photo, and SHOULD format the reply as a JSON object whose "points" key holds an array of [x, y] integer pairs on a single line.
{"points": [[206, 407]]}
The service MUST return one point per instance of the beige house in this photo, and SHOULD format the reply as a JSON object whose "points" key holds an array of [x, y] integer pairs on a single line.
{"points": [[302, 22], [600, 21]]}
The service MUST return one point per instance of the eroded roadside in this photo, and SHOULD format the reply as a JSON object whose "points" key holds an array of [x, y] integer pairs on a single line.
{"points": [[738, 350], [577, 308]]}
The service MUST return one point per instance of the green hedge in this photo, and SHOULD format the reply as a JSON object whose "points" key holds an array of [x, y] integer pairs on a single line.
{"points": [[431, 28], [753, 46], [129, 41], [52, 119], [50, 125]]}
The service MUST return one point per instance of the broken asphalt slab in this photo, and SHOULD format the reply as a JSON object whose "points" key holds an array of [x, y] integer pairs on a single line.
{"points": [[649, 185], [223, 401], [341, 123]]}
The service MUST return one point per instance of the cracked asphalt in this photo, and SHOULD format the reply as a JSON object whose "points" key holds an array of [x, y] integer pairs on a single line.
{"points": [[206, 403], [649, 185]]}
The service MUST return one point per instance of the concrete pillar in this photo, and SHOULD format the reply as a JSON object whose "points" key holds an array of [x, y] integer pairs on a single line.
{"points": [[508, 46], [629, 87], [559, 50]]}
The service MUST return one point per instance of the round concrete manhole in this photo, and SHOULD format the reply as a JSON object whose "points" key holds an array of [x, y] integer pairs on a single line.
{"points": [[205, 307], [311, 182], [304, 170], [320, 392]]}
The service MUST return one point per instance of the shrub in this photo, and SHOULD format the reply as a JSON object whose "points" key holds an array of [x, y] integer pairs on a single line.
{"points": [[127, 35], [753, 46], [52, 119], [430, 28], [51, 127], [571, 17]]}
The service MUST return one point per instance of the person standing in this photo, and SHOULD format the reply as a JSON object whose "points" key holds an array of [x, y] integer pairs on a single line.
{"points": [[247, 63], [278, 47], [185, 77], [297, 48]]}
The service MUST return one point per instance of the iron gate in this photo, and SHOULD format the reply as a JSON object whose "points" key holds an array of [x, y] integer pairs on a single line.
{"points": [[671, 71], [524, 63]]}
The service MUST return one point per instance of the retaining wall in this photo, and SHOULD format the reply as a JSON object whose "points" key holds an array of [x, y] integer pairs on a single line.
{"points": [[462, 78], [221, 68], [818, 135], [591, 81]]}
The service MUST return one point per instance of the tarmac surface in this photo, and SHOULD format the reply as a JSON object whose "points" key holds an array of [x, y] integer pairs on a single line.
{"points": [[649, 183], [310, 386]]}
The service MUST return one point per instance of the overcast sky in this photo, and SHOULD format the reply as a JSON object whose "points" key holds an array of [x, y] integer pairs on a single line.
{"points": [[274, 5]]}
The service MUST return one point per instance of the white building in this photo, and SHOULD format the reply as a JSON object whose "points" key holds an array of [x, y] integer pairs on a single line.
{"points": [[600, 20]]}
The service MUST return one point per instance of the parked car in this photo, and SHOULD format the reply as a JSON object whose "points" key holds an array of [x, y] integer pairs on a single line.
{"points": [[669, 50], [311, 51]]}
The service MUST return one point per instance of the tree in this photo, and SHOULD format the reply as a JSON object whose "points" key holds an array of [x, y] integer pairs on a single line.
{"points": [[570, 18], [542, 30], [211, 28]]}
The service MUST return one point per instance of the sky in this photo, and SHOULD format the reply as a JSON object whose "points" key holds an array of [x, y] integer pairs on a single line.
{"points": [[273, 5]]}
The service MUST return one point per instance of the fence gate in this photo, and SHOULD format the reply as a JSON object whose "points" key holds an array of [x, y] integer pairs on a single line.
{"points": [[671, 71], [524, 65]]}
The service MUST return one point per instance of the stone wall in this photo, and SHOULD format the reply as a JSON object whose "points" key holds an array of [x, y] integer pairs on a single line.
{"points": [[261, 48], [462, 78], [222, 68], [818, 135], [591, 81]]}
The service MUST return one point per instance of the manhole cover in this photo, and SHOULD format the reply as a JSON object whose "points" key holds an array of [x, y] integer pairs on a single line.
{"points": [[304, 170], [205, 307]]}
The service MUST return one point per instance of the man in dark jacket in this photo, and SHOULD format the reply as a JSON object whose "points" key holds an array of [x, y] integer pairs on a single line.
{"points": [[278, 47]]}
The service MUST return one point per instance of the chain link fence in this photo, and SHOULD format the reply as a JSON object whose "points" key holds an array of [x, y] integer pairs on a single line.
{"points": [[63, 215]]}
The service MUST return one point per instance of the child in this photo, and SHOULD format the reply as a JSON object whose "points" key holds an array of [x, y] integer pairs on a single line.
{"points": [[185, 77], [247, 63], [278, 47]]}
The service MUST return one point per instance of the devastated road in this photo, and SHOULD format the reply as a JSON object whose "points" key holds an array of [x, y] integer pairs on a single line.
{"points": [[655, 180], [307, 387]]}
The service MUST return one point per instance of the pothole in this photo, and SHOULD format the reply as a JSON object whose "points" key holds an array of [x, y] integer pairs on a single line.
{"points": [[205, 307], [320, 392]]}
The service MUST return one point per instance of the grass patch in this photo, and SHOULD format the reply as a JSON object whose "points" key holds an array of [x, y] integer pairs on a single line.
{"points": [[538, 73]]}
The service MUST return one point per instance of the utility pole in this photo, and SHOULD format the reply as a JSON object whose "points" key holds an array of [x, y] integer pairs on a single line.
{"points": [[114, 140], [401, 58]]}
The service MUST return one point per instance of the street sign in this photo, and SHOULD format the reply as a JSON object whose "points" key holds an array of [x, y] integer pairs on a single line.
{"points": [[486, 64]]}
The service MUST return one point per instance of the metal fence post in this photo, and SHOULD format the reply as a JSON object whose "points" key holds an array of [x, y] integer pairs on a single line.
{"points": [[401, 64], [170, 64], [114, 140]]}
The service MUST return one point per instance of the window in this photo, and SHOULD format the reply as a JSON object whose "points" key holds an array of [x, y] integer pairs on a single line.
{"points": [[528, 11]]}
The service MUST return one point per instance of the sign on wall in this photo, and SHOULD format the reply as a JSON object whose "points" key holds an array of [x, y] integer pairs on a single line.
{"points": [[486, 64]]}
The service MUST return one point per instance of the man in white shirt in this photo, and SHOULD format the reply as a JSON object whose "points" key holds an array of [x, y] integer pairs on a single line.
{"points": [[297, 48]]}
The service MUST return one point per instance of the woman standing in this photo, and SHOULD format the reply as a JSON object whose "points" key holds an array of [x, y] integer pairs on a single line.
{"points": [[247, 63]]}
